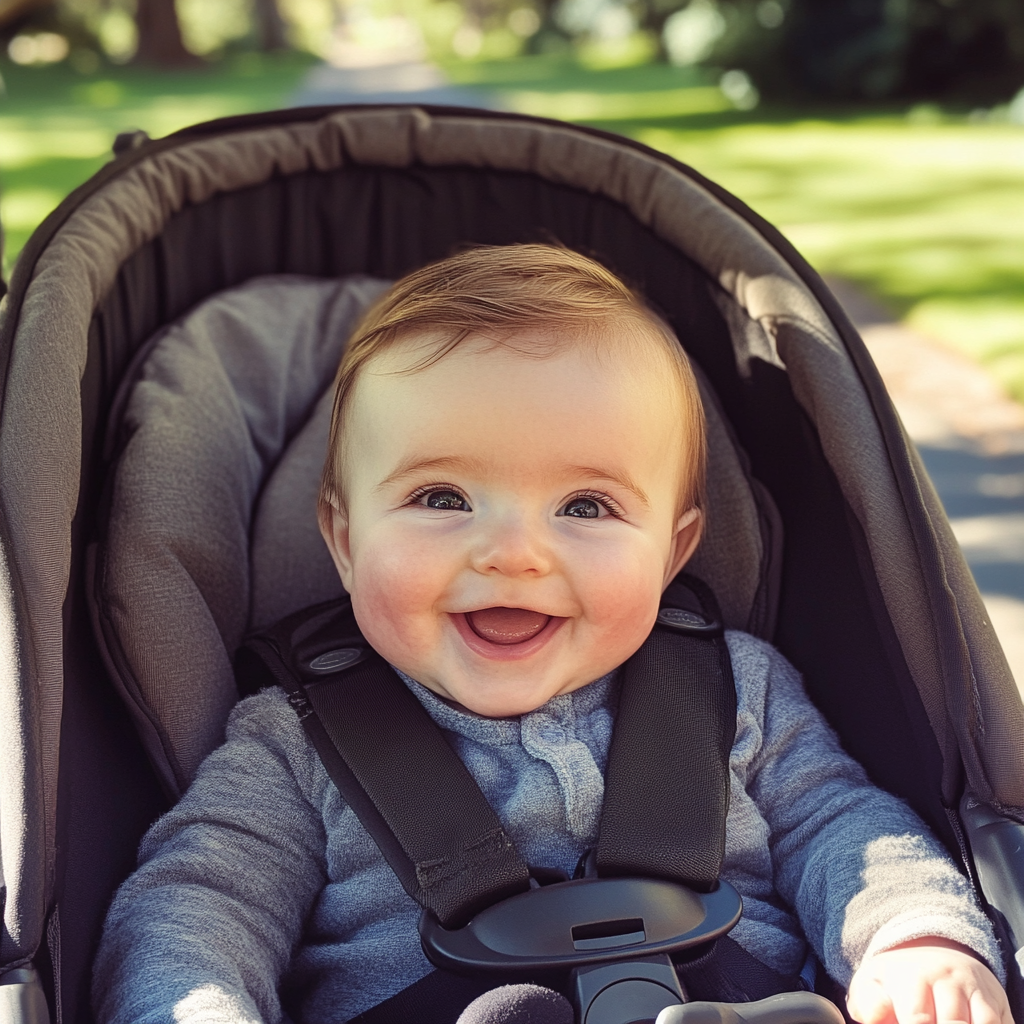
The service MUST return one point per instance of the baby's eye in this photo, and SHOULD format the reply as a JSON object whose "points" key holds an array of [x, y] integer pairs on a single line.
{"points": [[444, 499], [582, 508]]}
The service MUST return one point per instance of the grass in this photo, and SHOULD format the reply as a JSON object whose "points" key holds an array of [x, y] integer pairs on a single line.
{"points": [[57, 127], [924, 210]]}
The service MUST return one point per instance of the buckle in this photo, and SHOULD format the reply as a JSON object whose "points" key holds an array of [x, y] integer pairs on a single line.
{"points": [[682, 620]]}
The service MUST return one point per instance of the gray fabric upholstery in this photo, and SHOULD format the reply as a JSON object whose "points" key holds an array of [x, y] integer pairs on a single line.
{"points": [[219, 398], [739, 555], [213, 523], [20, 791], [291, 567]]}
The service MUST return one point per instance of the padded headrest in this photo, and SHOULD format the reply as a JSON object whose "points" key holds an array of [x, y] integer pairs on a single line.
{"points": [[212, 531]]}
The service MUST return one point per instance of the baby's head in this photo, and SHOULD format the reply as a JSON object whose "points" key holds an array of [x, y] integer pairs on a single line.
{"points": [[514, 474]]}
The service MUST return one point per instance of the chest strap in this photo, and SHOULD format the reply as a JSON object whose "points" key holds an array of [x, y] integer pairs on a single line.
{"points": [[667, 781], [390, 762]]}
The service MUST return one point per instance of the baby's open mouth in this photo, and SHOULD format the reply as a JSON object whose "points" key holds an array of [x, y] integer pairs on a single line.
{"points": [[507, 625]]}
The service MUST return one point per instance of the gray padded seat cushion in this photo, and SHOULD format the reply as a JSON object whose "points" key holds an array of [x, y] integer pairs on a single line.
{"points": [[213, 526], [219, 397]]}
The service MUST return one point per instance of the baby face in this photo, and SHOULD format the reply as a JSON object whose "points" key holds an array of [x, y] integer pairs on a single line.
{"points": [[510, 521]]}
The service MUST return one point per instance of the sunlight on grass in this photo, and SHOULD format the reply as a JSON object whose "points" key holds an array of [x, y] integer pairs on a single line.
{"points": [[589, 106], [927, 218], [925, 214], [987, 327], [103, 93], [22, 209], [24, 142], [57, 128]]}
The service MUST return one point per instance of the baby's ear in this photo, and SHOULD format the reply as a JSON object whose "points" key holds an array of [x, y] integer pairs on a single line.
{"points": [[334, 529], [684, 542]]}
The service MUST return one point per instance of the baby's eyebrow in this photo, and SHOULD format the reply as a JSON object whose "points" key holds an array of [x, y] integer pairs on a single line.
{"points": [[622, 479], [414, 465]]}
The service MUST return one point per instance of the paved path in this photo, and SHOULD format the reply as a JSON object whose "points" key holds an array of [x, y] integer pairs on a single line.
{"points": [[399, 82], [969, 433], [393, 75]]}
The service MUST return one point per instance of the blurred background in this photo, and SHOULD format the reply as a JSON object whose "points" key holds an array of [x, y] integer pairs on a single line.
{"points": [[885, 138]]}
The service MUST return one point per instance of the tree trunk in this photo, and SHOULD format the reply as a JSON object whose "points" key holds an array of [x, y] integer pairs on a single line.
{"points": [[160, 36], [12, 11], [270, 26]]}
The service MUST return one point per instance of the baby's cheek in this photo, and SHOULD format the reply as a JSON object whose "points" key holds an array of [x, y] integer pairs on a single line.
{"points": [[392, 602], [623, 607]]}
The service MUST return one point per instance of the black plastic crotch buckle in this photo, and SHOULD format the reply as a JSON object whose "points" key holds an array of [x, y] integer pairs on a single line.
{"points": [[613, 937]]}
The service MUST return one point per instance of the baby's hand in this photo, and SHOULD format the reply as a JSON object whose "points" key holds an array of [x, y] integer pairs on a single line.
{"points": [[927, 981]]}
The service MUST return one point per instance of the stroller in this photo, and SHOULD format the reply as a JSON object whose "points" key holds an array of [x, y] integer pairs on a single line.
{"points": [[134, 560]]}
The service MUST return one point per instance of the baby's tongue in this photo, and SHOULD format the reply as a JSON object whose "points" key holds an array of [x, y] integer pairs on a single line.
{"points": [[507, 625]]}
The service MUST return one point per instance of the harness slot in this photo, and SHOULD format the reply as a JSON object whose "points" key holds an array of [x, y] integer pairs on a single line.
{"points": [[609, 934]]}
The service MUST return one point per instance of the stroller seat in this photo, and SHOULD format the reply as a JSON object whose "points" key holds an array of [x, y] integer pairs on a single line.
{"points": [[168, 343], [220, 433]]}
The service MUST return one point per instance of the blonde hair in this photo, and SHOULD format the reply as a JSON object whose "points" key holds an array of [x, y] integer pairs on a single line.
{"points": [[497, 292]]}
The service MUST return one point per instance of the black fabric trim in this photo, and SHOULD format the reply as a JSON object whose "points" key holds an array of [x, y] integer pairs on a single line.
{"points": [[667, 781], [438, 998], [728, 973]]}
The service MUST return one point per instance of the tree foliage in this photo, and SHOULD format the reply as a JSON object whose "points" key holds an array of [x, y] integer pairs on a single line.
{"points": [[971, 50], [156, 33]]}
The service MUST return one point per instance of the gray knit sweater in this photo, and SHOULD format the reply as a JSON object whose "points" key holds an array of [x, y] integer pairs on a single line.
{"points": [[261, 869]]}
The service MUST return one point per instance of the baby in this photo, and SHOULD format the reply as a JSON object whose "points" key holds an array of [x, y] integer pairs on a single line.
{"points": [[514, 476]]}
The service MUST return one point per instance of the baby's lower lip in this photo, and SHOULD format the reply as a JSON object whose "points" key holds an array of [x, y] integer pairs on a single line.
{"points": [[505, 651]]}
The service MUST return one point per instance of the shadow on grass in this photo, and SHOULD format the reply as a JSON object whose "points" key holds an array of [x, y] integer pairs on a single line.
{"points": [[766, 114], [251, 77]]}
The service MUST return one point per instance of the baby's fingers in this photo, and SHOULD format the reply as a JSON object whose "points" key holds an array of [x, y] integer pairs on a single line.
{"points": [[869, 1003], [984, 1012], [913, 1003], [953, 1005]]}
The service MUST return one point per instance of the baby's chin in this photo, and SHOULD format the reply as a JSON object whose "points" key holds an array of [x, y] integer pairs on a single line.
{"points": [[504, 700]]}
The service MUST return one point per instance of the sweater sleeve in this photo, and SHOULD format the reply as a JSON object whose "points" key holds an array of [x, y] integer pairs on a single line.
{"points": [[206, 926], [859, 867]]}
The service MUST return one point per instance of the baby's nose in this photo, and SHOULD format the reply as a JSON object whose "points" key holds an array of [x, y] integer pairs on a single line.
{"points": [[512, 548]]}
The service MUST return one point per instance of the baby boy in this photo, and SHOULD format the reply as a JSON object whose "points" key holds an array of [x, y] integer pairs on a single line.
{"points": [[514, 476]]}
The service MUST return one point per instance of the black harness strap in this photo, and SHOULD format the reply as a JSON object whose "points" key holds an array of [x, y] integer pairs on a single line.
{"points": [[667, 780], [392, 765], [437, 998]]}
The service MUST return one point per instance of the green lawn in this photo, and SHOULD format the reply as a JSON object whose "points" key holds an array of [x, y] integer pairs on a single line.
{"points": [[925, 211], [57, 127]]}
